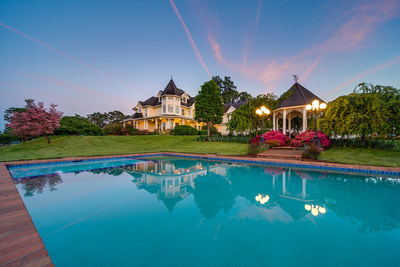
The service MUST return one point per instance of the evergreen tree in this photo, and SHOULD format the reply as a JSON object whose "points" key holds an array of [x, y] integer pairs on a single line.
{"points": [[208, 108]]}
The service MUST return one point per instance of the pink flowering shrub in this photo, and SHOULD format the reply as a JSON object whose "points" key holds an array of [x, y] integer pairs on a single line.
{"points": [[306, 139], [272, 136]]}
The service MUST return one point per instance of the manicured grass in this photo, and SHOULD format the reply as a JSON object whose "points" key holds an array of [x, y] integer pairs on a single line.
{"points": [[80, 146], [362, 156]]}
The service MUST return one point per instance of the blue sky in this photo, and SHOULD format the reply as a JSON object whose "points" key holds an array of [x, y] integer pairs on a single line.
{"points": [[89, 56]]}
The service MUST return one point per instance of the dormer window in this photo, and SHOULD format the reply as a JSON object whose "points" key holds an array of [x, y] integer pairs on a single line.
{"points": [[140, 110], [184, 100]]}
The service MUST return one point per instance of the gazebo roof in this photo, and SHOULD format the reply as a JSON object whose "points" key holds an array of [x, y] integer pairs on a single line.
{"points": [[298, 96]]}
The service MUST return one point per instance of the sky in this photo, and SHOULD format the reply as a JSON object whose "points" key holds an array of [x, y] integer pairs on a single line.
{"points": [[98, 56]]}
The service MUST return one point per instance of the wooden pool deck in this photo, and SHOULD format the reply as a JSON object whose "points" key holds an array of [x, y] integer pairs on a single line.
{"points": [[20, 243]]}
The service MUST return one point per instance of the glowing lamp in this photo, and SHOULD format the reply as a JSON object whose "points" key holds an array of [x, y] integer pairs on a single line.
{"points": [[314, 211], [315, 104], [263, 109], [322, 106], [322, 210], [307, 207], [267, 111], [308, 107], [258, 197]]}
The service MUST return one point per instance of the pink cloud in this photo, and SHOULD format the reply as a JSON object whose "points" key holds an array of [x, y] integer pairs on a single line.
{"points": [[360, 23], [191, 41]]}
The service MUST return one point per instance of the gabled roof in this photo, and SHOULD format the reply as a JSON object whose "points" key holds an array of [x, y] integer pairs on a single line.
{"points": [[152, 101], [137, 115], [298, 96], [236, 105], [171, 89]]}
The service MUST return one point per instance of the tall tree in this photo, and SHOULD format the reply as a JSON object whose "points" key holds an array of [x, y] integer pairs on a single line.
{"points": [[100, 119], [227, 88], [208, 108], [35, 121]]}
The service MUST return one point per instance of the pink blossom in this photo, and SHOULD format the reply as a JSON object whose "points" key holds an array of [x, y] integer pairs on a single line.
{"points": [[35, 121]]}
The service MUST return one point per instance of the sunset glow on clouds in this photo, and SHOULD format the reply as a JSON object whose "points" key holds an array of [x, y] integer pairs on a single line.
{"points": [[109, 55]]}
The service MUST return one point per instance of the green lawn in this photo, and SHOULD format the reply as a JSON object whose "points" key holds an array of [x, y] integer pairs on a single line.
{"points": [[79, 146], [362, 156]]}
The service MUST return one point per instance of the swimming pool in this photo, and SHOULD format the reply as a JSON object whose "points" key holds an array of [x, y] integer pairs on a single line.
{"points": [[173, 212]]}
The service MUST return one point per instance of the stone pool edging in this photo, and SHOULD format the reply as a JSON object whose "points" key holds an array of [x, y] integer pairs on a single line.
{"points": [[317, 166]]}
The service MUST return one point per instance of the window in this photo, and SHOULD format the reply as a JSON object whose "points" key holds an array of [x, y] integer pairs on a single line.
{"points": [[177, 109], [164, 108], [170, 109], [190, 112], [177, 99], [170, 98], [184, 100], [183, 112], [140, 110], [145, 112]]}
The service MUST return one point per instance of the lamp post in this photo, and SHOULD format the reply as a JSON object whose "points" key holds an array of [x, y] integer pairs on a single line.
{"points": [[315, 106], [260, 112]]}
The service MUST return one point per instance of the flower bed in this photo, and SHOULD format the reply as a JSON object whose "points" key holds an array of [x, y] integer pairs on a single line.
{"points": [[306, 138], [272, 136]]}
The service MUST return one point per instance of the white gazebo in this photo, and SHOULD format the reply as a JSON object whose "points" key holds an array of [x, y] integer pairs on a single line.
{"points": [[294, 105]]}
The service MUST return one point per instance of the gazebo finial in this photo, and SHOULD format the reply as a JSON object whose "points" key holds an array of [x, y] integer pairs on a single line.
{"points": [[295, 77]]}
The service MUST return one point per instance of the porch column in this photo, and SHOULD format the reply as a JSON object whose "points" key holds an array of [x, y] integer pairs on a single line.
{"points": [[304, 120], [273, 121], [157, 124], [289, 122], [284, 122]]}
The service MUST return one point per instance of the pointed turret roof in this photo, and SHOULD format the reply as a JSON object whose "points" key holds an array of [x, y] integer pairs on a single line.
{"points": [[298, 95], [171, 89]]}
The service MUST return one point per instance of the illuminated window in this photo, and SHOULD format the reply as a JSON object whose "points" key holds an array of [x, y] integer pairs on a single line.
{"points": [[164, 108], [177, 109], [170, 109]]}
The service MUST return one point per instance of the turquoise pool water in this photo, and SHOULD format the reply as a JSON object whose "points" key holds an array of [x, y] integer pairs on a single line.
{"points": [[176, 212]]}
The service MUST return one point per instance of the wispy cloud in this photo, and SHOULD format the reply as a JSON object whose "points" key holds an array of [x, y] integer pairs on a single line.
{"points": [[359, 23], [65, 54], [367, 72], [66, 85], [249, 41], [192, 43]]}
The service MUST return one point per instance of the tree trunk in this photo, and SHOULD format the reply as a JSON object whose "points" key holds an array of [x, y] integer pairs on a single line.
{"points": [[48, 139]]}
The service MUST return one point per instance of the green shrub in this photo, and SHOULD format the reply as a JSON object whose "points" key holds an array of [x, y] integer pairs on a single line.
{"points": [[113, 128], [202, 132], [141, 132], [77, 125], [375, 143], [184, 130], [311, 152], [154, 133], [7, 139], [213, 130], [256, 148]]}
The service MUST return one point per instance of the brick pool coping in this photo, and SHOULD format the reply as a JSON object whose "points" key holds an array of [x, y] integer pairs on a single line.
{"points": [[21, 245], [321, 166]]}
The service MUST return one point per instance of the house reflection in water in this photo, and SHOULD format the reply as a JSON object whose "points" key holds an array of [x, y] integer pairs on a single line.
{"points": [[171, 182]]}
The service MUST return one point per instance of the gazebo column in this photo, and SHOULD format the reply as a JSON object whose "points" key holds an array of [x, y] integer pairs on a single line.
{"points": [[289, 123], [304, 120], [274, 121], [284, 122]]}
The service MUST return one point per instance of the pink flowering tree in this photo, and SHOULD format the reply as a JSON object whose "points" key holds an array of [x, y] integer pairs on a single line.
{"points": [[35, 121]]}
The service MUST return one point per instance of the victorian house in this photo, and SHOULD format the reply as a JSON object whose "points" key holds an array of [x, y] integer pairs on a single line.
{"points": [[170, 107]]}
